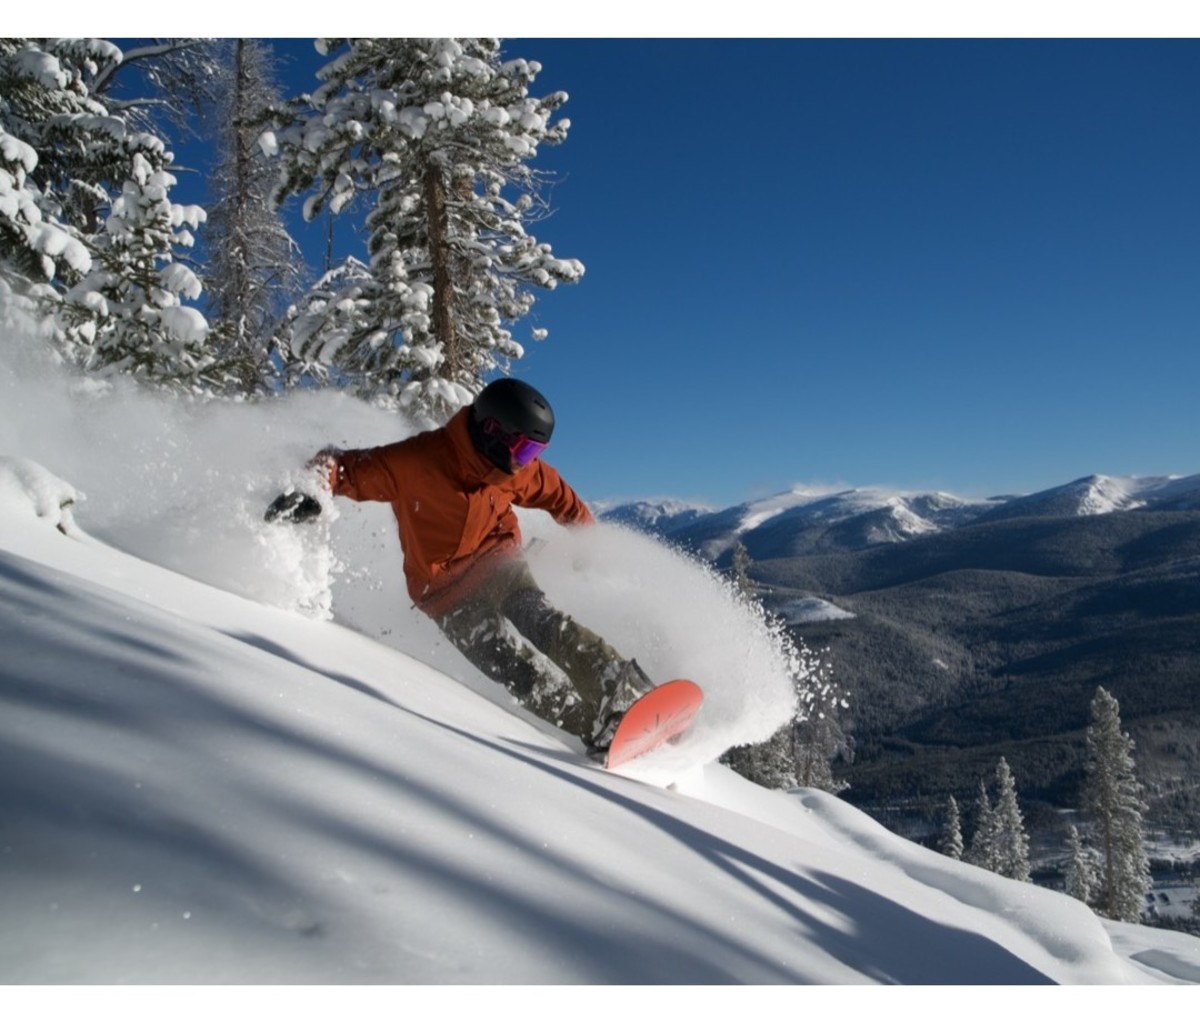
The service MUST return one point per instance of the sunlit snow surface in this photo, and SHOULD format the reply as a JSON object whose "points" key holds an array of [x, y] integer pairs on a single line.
{"points": [[224, 759]]}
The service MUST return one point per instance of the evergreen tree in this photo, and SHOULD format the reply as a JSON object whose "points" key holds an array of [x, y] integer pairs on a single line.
{"points": [[126, 313], [951, 840], [439, 134], [771, 764], [1081, 870], [253, 263], [34, 244], [56, 143], [88, 229], [740, 569], [818, 738], [1000, 843], [982, 852], [801, 753], [1011, 847], [1113, 802]]}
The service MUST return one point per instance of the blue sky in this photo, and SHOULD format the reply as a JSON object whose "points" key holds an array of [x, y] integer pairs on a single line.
{"points": [[964, 264]]}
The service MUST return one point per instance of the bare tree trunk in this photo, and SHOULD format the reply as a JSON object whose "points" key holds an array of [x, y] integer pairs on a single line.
{"points": [[238, 311], [443, 283]]}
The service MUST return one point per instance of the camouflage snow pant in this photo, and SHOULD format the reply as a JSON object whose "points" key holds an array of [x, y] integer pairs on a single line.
{"points": [[554, 666]]}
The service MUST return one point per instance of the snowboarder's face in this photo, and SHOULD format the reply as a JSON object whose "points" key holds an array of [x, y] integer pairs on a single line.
{"points": [[510, 451]]}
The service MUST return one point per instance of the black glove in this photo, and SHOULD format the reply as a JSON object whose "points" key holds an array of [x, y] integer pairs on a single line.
{"points": [[293, 507]]}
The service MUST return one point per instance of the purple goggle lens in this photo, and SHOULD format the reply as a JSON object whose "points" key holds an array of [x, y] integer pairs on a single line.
{"points": [[525, 450], [521, 448]]}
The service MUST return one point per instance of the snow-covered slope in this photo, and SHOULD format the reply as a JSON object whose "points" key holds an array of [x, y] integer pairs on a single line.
{"points": [[200, 788], [231, 753], [776, 526], [1101, 494], [651, 516]]}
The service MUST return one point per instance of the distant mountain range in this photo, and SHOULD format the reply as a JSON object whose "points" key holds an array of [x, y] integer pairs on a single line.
{"points": [[813, 520], [970, 629]]}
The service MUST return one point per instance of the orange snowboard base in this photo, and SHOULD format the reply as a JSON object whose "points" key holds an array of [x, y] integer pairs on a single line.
{"points": [[661, 714]]}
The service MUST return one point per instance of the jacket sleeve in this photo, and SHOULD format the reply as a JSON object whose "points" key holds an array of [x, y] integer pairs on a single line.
{"points": [[547, 491], [374, 473]]}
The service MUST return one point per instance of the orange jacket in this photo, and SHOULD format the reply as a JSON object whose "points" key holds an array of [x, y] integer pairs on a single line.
{"points": [[453, 506]]}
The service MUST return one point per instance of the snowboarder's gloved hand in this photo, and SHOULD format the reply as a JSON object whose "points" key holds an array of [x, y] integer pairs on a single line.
{"points": [[294, 507], [325, 461]]}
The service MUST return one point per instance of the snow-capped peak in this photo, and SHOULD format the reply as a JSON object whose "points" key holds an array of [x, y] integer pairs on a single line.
{"points": [[807, 518]]}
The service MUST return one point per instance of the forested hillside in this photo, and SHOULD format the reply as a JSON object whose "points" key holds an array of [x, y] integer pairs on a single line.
{"points": [[997, 635], [988, 634]]}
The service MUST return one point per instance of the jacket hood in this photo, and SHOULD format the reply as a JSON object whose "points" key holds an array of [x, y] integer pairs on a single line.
{"points": [[473, 466]]}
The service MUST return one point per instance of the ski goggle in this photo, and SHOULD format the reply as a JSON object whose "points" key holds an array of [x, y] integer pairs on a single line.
{"points": [[521, 448]]}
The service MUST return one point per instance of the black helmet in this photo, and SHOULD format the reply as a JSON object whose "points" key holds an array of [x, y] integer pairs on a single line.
{"points": [[512, 422], [517, 408]]}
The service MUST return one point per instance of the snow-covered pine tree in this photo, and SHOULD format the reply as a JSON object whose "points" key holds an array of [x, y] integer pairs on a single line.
{"points": [[126, 314], [817, 735], [739, 569], [950, 843], [1011, 848], [33, 245], [55, 142], [253, 268], [771, 764], [439, 133], [90, 231], [982, 851], [802, 751], [1113, 802], [1080, 877]]}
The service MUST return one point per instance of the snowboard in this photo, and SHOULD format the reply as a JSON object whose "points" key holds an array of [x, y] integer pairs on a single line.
{"points": [[662, 714]]}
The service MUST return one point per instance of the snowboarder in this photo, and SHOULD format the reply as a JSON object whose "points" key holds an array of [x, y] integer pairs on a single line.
{"points": [[452, 491]]}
